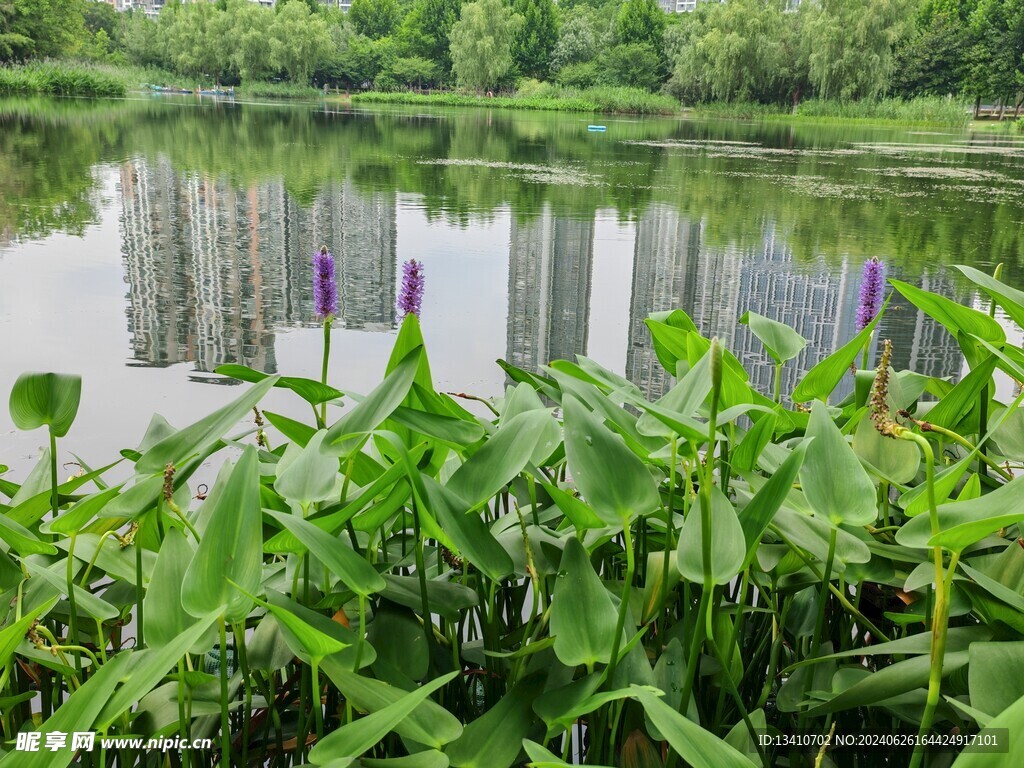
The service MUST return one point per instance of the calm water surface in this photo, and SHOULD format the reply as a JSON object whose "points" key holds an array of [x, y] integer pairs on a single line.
{"points": [[145, 242]]}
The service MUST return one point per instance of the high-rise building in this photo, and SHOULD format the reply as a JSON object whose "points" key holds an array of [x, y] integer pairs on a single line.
{"points": [[550, 265]]}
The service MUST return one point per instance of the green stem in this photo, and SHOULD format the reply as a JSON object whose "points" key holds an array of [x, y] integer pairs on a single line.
{"points": [[323, 367], [778, 383], [225, 721], [318, 712], [826, 582], [940, 616], [624, 605]]}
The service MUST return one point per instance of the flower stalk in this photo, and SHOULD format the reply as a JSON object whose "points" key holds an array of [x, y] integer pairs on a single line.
{"points": [[325, 299]]}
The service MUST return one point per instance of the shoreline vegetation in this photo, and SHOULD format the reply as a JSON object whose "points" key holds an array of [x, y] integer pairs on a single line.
{"points": [[673, 578], [67, 78]]}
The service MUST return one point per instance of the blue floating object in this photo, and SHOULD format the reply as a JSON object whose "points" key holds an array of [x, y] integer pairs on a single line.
{"points": [[600, 128]]}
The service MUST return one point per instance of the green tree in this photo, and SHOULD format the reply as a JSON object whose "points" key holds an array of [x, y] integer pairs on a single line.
{"points": [[637, 65], [99, 16], [413, 70], [577, 42], [641, 21], [734, 51], [250, 30], [851, 44], [535, 41], [997, 56], [426, 30], [935, 58], [299, 41], [196, 38], [40, 28], [481, 43], [375, 18]]}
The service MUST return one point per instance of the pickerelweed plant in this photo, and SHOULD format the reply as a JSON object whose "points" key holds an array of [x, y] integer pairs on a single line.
{"points": [[581, 575]]}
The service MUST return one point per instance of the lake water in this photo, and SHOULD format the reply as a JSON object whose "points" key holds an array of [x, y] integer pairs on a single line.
{"points": [[145, 242]]}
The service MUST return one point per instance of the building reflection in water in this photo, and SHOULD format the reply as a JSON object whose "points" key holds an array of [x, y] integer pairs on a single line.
{"points": [[213, 270], [550, 264], [715, 285]]}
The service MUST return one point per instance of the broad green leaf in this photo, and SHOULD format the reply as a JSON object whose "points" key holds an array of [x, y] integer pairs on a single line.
{"points": [[449, 430], [962, 523], [447, 598], [833, 480], [504, 456], [543, 758], [697, 746], [46, 398], [957, 639], [310, 390], [583, 617], [780, 341], [194, 439], [305, 475], [77, 713], [897, 461], [682, 400], [88, 603], [992, 689], [300, 634], [812, 533], [339, 558], [148, 667], [1009, 435], [231, 549], [164, 617], [429, 723], [1011, 719], [22, 540], [915, 501], [431, 758], [823, 378], [954, 317], [756, 516], [728, 545], [345, 434], [468, 532], [355, 738], [575, 509], [612, 479], [495, 739], [12, 635], [892, 680], [964, 396], [746, 453], [72, 520], [1010, 299]]}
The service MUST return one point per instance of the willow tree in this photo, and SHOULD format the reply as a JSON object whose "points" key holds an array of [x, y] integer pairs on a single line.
{"points": [[852, 44], [481, 43], [734, 50]]}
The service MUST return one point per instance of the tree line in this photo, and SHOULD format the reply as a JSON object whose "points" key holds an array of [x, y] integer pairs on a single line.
{"points": [[740, 50]]}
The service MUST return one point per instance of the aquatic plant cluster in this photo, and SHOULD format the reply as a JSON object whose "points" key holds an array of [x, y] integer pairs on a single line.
{"points": [[720, 578]]}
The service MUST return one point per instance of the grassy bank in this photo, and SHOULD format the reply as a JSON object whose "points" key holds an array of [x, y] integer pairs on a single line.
{"points": [[547, 97], [265, 90], [61, 79], [921, 111]]}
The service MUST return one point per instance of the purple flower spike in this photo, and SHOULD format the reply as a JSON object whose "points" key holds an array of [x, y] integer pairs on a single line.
{"points": [[872, 287], [325, 290], [411, 296]]}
